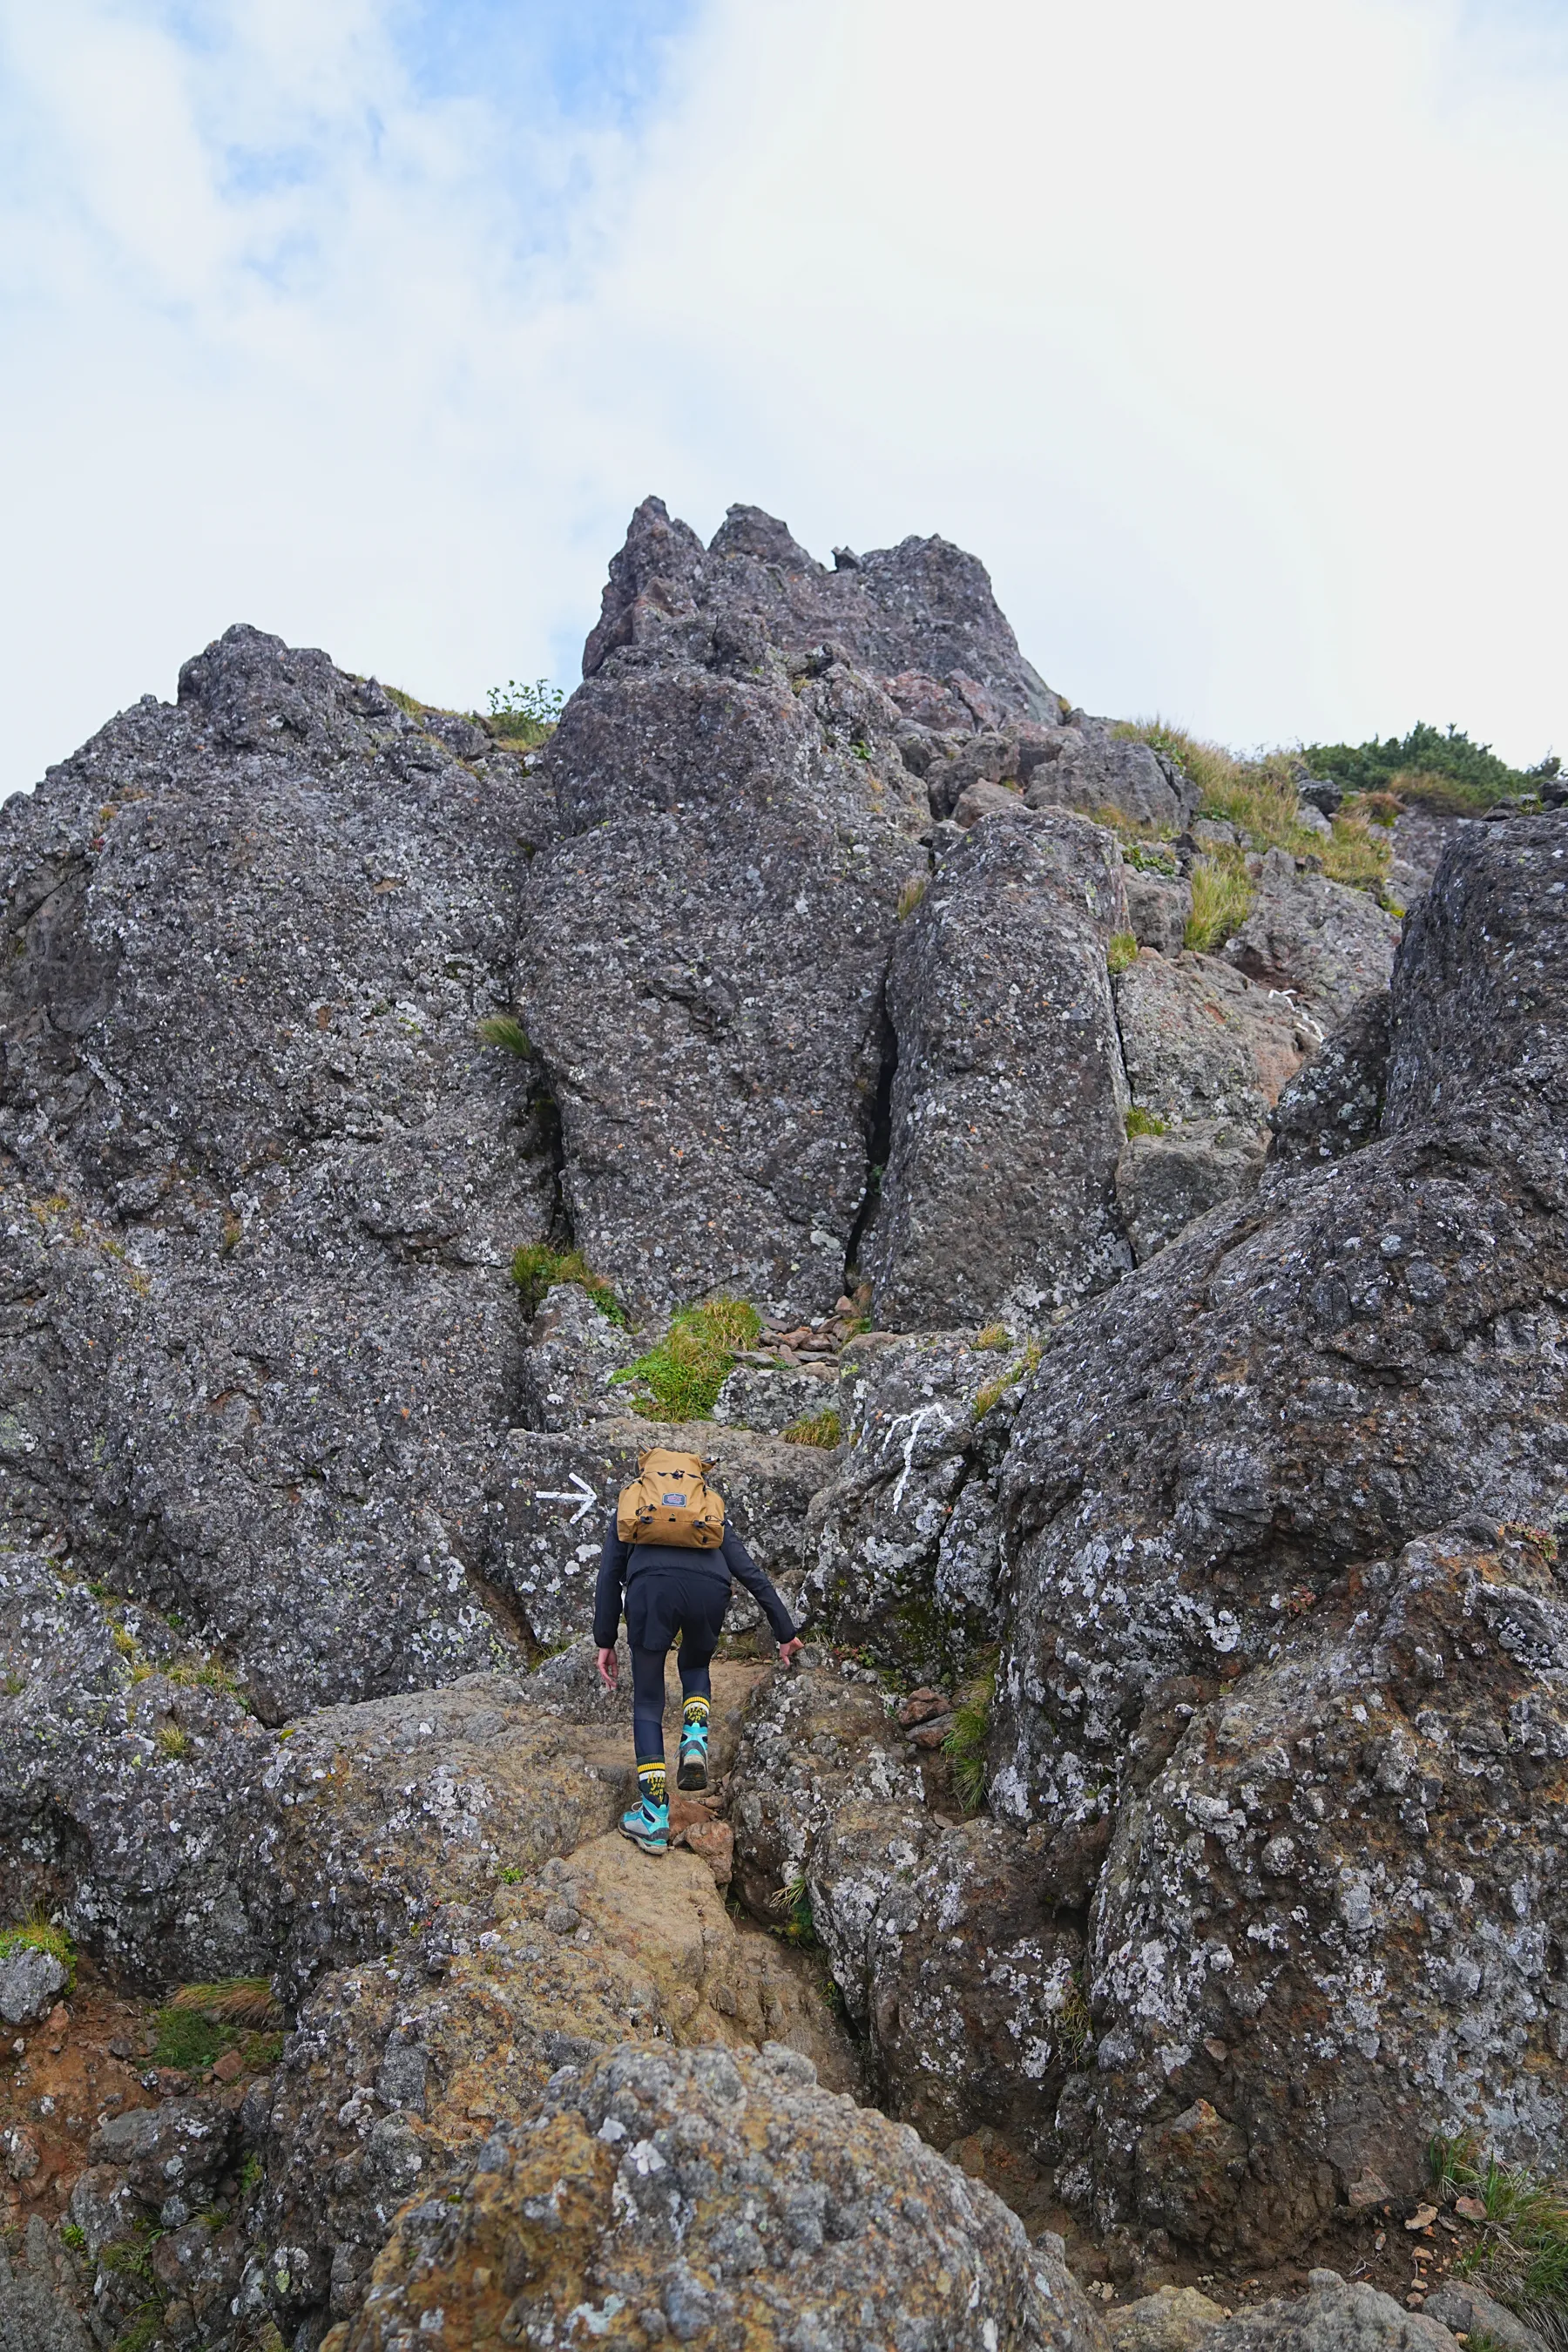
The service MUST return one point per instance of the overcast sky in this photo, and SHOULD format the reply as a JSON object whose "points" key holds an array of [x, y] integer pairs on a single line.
{"points": [[1231, 336]]}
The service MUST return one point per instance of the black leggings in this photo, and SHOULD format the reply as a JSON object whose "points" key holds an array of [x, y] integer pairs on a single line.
{"points": [[660, 1603]]}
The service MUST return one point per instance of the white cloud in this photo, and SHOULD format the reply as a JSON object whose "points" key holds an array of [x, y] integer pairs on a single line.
{"points": [[1230, 337]]}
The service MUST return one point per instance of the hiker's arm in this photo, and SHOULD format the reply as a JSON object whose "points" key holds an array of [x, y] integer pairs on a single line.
{"points": [[613, 1561], [745, 1570]]}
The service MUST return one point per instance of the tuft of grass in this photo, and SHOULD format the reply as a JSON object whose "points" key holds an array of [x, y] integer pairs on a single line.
{"points": [[233, 2001], [965, 1743], [73, 2235], [1121, 952], [1222, 900], [680, 1377], [208, 1673], [512, 1875], [36, 1934], [191, 2040], [504, 1030], [813, 1428], [1073, 2022], [1355, 854], [797, 1925], [994, 1391], [1523, 2256], [1136, 1121], [250, 2174], [995, 1335], [911, 895], [171, 1739], [537, 1268], [144, 2330]]}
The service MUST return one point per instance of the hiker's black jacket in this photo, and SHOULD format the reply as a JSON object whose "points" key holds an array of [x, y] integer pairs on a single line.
{"points": [[620, 1563]]}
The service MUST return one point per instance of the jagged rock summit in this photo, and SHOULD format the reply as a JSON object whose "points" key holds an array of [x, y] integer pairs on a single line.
{"points": [[1172, 1804]]}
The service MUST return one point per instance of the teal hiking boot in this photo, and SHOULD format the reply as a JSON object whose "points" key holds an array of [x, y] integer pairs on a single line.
{"points": [[693, 1772], [647, 1825]]}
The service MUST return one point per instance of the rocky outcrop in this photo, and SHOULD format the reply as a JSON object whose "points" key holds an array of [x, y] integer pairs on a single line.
{"points": [[1239, 1875], [402, 2067], [709, 2195], [538, 1551], [1202, 1042], [1007, 1097], [903, 1546], [1334, 1104], [1326, 944], [262, 1177]]}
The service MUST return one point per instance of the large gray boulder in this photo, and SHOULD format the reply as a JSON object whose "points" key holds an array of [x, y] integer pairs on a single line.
{"points": [[263, 1178], [700, 968], [997, 1197], [718, 2196], [903, 1552], [1326, 943], [1201, 1471]]}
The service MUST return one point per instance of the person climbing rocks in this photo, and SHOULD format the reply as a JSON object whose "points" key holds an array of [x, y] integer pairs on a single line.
{"points": [[670, 1558]]}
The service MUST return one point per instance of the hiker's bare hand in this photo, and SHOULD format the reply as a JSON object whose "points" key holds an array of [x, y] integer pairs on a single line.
{"points": [[789, 1650], [609, 1668]]}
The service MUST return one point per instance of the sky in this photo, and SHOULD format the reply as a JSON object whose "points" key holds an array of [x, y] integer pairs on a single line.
{"points": [[1232, 337]]}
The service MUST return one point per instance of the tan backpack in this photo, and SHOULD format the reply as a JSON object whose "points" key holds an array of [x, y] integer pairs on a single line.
{"points": [[670, 1502]]}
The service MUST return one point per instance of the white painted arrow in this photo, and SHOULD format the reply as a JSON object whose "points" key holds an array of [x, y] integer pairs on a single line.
{"points": [[579, 1492]]}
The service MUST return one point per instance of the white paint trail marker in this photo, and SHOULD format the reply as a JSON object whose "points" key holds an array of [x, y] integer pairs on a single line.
{"points": [[579, 1492]]}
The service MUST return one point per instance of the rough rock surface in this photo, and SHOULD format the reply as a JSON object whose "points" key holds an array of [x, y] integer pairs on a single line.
{"points": [[1163, 1182], [402, 2066], [735, 2200], [1335, 2315], [540, 1545], [36, 2313], [1200, 1042], [569, 1360], [903, 1549], [188, 1842], [1086, 766], [1201, 1471], [1325, 943], [262, 1177], [1007, 1100], [1334, 1104], [1158, 908], [31, 1981]]}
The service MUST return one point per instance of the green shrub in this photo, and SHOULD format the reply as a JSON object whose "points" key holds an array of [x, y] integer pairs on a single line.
{"points": [[503, 1030], [1121, 952], [1136, 1121], [813, 1428], [537, 1268], [1222, 900], [965, 1743], [73, 2235], [36, 1934], [680, 1377], [1443, 769], [525, 714]]}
